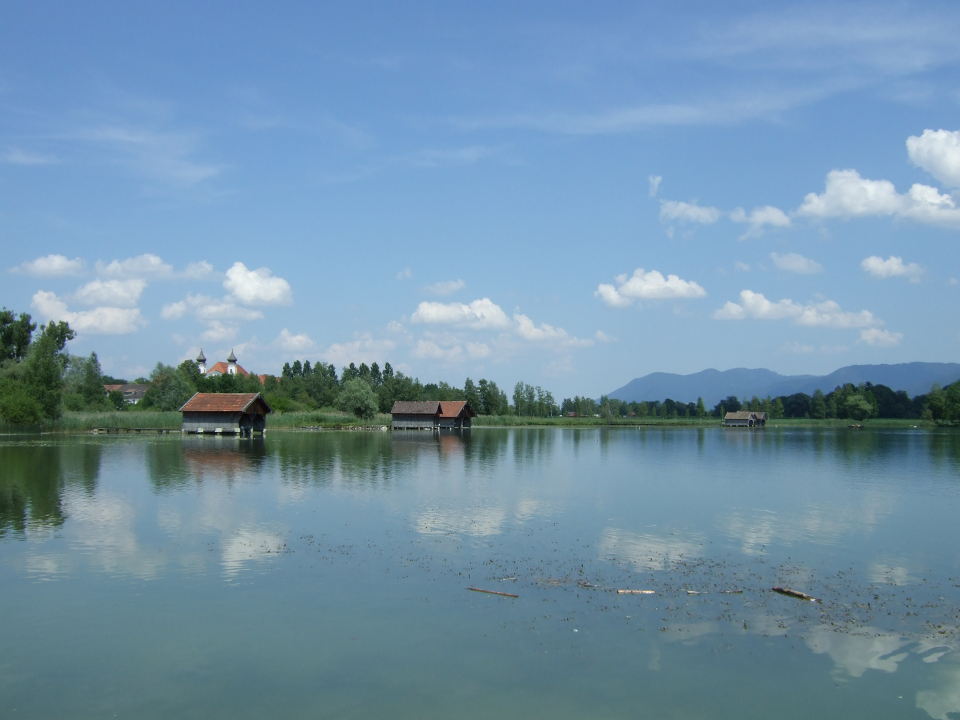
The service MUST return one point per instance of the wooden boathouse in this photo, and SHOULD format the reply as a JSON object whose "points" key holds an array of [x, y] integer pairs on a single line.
{"points": [[431, 415], [745, 418], [225, 413]]}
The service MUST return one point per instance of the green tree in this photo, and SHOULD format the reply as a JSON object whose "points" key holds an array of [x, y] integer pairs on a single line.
{"points": [[43, 367], [358, 397], [858, 407], [15, 334], [818, 405], [169, 390]]}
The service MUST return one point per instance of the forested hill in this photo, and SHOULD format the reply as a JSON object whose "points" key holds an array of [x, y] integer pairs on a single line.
{"points": [[914, 378]]}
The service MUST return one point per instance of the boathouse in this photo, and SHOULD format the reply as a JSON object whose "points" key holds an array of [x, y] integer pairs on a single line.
{"points": [[745, 418], [455, 414], [431, 415], [236, 413]]}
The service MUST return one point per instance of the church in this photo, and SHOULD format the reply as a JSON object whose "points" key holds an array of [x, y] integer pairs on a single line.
{"points": [[230, 367]]}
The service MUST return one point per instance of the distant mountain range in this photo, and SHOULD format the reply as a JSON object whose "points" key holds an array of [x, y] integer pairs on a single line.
{"points": [[915, 378]]}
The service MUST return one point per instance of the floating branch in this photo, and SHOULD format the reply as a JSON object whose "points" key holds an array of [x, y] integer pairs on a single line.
{"points": [[636, 592], [493, 592], [795, 594]]}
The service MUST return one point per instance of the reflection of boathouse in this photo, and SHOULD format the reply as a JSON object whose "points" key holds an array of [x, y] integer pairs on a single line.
{"points": [[431, 415], [237, 413], [745, 418]]}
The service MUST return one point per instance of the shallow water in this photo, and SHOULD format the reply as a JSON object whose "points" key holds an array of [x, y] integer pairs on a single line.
{"points": [[325, 574]]}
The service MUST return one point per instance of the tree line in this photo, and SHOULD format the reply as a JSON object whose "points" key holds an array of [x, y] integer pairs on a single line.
{"points": [[848, 401]]}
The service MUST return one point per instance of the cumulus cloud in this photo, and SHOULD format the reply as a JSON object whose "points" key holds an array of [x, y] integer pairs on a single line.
{"points": [[445, 287], [117, 293], [257, 287], [96, 321], [50, 266], [644, 285], [209, 310], [937, 152], [146, 265], [826, 313], [294, 342], [363, 348], [760, 217], [893, 266], [529, 330], [219, 331], [848, 195], [880, 338], [675, 210], [198, 270], [404, 274], [479, 314], [431, 350], [796, 263]]}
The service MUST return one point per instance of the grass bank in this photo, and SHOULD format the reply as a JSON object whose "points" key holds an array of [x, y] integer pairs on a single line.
{"points": [[331, 419]]}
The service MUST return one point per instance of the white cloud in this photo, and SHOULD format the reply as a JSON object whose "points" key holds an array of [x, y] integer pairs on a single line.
{"points": [[793, 262], [219, 331], [404, 274], [116, 293], [688, 212], [433, 351], [198, 270], [893, 266], [478, 350], [363, 348], [146, 265], [826, 313], [18, 156], [50, 266], [741, 266], [760, 217], [96, 321], [479, 314], [601, 337], [643, 285], [847, 195], [937, 152], [529, 330], [445, 287], [880, 338], [299, 342], [257, 287], [174, 311], [654, 185]]}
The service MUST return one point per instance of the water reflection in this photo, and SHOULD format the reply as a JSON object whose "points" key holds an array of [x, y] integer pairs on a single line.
{"points": [[33, 480]]}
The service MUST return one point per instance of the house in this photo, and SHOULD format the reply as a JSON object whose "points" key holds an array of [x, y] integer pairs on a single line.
{"points": [[431, 415], [745, 418], [132, 392], [455, 414], [237, 413]]}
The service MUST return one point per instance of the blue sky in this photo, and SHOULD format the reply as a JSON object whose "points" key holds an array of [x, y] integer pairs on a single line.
{"points": [[571, 196]]}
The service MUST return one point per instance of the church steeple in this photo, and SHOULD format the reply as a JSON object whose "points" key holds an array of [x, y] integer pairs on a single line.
{"points": [[202, 362], [231, 363]]}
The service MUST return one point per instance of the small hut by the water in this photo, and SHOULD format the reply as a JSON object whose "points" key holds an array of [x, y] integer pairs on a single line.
{"points": [[455, 414], [236, 413], [431, 415], [745, 418]]}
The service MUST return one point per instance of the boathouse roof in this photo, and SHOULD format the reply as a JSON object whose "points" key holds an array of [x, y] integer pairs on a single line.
{"points": [[226, 402]]}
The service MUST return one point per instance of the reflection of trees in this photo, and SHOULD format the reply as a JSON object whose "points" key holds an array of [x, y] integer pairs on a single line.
{"points": [[532, 443], [33, 480], [361, 458], [484, 448]]}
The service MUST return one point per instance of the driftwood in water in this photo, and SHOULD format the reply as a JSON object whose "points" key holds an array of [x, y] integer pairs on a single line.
{"points": [[795, 594], [636, 592], [493, 592]]}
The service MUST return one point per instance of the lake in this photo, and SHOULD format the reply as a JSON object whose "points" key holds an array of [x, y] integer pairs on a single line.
{"points": [[325, 575]]}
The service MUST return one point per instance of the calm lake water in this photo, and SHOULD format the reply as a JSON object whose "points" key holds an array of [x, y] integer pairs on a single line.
{"points": [[325, 575]]}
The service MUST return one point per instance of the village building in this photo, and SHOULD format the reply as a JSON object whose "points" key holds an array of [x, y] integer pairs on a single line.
{"points": [[226, 413], [431, 415], [230, 367], [132, 392], [745, 418]]}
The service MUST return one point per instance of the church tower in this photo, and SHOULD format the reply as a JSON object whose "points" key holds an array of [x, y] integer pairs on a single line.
{"points": [[202, 363]]}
